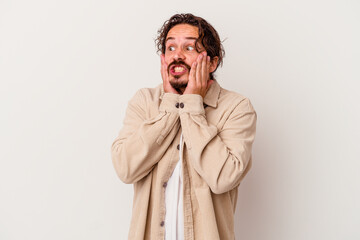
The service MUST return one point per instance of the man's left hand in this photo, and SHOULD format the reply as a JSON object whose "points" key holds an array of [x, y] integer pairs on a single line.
{"points": [[199, 81]]}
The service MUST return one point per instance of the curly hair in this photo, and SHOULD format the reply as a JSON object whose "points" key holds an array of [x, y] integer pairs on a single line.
{"points": [[208, 36]]}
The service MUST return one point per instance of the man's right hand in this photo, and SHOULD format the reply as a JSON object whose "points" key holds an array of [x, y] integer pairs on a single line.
{"points": [[165, 76]]}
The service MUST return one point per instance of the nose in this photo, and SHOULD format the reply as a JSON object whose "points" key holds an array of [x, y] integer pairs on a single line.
{"points": [[179, 54]]}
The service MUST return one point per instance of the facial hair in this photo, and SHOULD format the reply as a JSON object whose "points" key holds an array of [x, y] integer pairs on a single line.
{"points": [[178, 85]]}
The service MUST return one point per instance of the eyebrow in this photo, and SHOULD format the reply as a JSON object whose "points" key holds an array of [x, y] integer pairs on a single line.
{"points": [[188, 38]]}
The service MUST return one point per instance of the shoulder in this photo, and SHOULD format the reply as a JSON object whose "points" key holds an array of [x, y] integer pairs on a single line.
{"points": [[148, 94], [232, 100]]}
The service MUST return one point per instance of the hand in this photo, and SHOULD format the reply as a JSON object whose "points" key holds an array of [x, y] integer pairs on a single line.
{"points": [[165, 76], [199, 81]]}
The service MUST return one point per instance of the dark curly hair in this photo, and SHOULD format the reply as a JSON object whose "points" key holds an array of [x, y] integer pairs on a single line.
{"points": [[208, 36]]}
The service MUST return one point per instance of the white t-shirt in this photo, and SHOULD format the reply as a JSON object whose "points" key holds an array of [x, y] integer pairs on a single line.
{"points": [[174, 220]]}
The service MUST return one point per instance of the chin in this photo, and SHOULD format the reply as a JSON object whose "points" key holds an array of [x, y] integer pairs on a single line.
{"points": [[178, 83]]}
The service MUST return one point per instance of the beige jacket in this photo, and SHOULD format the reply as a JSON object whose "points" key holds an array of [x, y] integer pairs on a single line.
{"points": [[218, 133]]}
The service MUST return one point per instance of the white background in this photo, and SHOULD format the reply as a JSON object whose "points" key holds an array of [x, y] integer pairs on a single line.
{"points": [[68, 69]]}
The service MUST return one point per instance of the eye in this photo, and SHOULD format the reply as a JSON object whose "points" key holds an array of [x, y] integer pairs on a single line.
{"points": [[189, 48], [171, 48]]}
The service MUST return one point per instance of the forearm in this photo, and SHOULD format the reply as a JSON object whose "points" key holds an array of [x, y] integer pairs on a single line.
{"points": [[220, 157], [141, 143]]}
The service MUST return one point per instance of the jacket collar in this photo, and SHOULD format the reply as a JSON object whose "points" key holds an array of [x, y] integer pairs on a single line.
{"points": [[211, 97]]}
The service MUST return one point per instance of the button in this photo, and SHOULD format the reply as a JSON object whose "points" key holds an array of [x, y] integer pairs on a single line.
{"points": [[162, 223], [178, 147], [177, 105], [181, 105], [165, 184]]}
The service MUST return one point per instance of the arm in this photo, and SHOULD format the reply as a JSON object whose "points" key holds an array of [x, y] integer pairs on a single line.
{"points": [[142, 142], [221, 158]]}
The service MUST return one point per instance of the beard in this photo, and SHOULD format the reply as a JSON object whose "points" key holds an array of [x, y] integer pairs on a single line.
{"points": [[176, 83]]}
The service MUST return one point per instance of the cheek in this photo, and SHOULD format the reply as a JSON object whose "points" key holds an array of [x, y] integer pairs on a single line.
{"points": [[167, 58], [193, 59]]}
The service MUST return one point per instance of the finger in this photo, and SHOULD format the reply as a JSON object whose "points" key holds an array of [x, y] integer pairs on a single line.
{"points": [[198, 70], [204, 76], [164, 73], [165, 76], [208, 70], [162, 64], [208, 64], [192, 77]]}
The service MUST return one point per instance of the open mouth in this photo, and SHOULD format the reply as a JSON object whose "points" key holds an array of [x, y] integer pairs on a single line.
{"points": [[178, 69]]}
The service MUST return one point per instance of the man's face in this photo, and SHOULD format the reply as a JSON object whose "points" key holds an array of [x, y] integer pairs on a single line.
{"points": [[180, 53]]}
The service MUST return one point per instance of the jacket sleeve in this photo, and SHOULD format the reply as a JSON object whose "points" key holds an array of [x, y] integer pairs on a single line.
{"points": [[142, 142], [221, 158]]}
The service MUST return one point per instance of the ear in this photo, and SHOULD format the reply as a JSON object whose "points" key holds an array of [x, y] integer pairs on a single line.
{"points": [[213, 64]]}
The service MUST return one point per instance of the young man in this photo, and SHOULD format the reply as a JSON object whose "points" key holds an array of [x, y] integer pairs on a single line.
{"points": [[186, 144]]}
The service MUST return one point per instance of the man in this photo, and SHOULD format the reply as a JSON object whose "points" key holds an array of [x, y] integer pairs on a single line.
{"points": [[186, 144]]}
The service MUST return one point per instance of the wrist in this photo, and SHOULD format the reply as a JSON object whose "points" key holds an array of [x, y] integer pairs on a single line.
{"points": [[191, 103]]}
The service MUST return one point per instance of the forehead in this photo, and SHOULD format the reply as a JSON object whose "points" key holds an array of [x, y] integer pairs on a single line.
{"points": [[185, 31]]}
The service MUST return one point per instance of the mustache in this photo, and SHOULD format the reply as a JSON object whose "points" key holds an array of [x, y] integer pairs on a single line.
{"points": [[178, 63]]}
